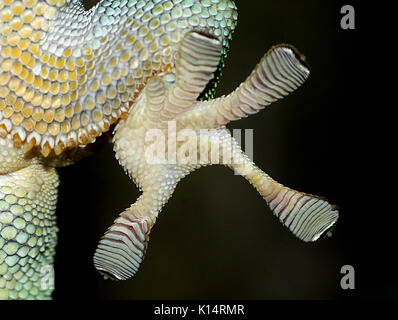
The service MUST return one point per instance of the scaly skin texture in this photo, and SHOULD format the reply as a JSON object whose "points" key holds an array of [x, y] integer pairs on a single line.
{"points": [[28, 196], [67, 74]]}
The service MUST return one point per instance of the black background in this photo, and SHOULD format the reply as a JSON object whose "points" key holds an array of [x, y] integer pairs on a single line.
{"points": [[216, 239]]}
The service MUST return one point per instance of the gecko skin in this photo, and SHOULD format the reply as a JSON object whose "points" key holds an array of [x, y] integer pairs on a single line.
{"points": [[149, 67]]}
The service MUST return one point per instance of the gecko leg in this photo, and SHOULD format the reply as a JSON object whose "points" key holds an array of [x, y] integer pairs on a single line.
{"points": [[28, 232], [142, 146], [281, 71], [121, 249], [307, 216]]}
